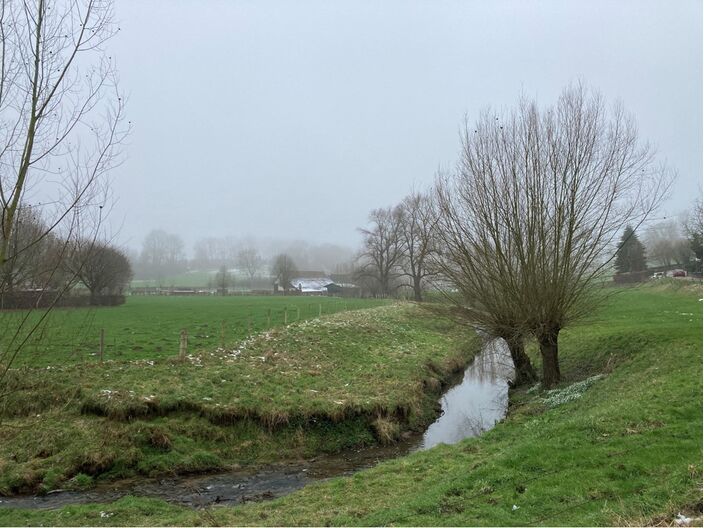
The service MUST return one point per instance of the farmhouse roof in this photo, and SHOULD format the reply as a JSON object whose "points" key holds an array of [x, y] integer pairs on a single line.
{"points": [[305, 285], [348, 285]]}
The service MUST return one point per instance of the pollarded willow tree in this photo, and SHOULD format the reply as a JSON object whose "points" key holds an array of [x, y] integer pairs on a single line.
{"points": [[541, 197], [467, 257]]}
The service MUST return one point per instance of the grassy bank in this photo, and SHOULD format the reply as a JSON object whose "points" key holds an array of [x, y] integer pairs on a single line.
{"points": [[148, 327], [353, 378], [618, 444]]}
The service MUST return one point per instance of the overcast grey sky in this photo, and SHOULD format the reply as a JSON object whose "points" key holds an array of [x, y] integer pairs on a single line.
{"points": [[294, 119]]}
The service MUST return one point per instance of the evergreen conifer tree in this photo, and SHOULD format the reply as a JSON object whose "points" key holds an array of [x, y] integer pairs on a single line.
{"points": [[631, 253]]}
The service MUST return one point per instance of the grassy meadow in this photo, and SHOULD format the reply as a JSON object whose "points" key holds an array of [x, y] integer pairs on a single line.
{"points": [[618, 443], [349, 379], [148, 327], [189, 279]]}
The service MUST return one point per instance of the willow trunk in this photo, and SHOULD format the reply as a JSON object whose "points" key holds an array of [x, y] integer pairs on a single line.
{"points": [[549, 352], [524, 371]]}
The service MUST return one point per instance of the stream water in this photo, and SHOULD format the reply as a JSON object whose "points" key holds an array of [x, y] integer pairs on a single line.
{"points": [[469, 408]]}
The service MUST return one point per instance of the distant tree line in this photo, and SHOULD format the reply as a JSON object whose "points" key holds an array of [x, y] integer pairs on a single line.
{"points": [[667, 244], [41, 266], [243, 263]]}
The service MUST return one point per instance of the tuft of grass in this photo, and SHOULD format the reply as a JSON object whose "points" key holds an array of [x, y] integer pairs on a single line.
{"points": [[81, 481], [387, 430], [159, 439]]}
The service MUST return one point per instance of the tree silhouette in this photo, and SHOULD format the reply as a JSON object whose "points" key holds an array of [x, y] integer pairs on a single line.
{"points": [[631, 253]]}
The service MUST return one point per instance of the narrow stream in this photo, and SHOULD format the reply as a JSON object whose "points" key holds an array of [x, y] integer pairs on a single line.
{"points": [[478, 402], [469, 408]]}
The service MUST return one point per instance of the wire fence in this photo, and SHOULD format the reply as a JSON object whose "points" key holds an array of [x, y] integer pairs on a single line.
{"points": [[99, 334]]}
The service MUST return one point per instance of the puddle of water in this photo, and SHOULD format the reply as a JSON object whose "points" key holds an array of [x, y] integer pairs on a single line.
{"points": [[469, 408]]}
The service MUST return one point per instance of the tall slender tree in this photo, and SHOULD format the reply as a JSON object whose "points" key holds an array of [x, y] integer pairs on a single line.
{"points": [[223, 280], [630, 255], [61, 116], [693, 230]]}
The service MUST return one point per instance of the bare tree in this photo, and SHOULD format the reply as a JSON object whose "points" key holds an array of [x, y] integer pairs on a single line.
{"points": [[208, 253], [418, 222], [103, 269], [693, 230], [466, 257], [223, 280], [383, 248], [667, 245], [284, 270], [33, 265], [546, 195], [51, 102], [61, 127], [230, 249], [25, 252], [162, 254], [249, 260]]}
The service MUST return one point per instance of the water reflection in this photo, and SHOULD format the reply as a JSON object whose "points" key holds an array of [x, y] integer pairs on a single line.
{"points": [[477, 403]]}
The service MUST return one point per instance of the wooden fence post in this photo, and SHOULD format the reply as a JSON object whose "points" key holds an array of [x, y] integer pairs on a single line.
{"points": [[268, 318], [285, 316], [183, 346], [102, 343], [222, 334], [320, 309]]}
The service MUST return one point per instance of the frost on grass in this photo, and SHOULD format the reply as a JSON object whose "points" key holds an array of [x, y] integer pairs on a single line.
{"points": [[556, 397]]}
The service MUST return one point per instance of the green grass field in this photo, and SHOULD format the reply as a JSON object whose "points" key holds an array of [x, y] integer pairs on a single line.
{"points": [[148, 327], [619, 443], [349, 379], [190, 279]]}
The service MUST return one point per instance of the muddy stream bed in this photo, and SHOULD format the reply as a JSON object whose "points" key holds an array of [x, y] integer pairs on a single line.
{"points": [[469, 408]]}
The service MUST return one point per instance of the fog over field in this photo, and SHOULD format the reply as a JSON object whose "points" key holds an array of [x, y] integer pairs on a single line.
{"points": [[362, 263], [292, 120]]}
